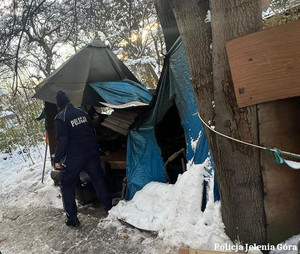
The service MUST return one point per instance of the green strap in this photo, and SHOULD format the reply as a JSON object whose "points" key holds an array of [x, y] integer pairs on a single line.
{"points": [[276, 152], [279, 160]]}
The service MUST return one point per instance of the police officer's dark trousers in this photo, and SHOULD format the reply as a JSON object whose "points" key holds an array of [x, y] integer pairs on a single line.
{"points": [[89, 162]]}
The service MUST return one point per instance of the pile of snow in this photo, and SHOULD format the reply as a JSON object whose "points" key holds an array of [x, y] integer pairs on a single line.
{"points": [[174, 211]]}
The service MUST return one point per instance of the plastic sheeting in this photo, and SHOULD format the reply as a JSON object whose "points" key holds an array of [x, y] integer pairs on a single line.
{"points": [[95, 62], [121, 92], [144, 160]]}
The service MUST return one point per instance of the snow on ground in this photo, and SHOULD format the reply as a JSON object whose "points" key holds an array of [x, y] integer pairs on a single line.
{"points": [[32, 219], [173, 211], [288, 247], [21, 180]]}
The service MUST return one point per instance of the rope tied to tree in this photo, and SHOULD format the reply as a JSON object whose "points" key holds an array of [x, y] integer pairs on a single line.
{"points": [[277, 153]]}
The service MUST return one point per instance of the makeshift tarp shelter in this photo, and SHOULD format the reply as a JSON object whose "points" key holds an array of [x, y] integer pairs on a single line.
{"points": [[94, 63], [172, 124], [169, 126], [92, 76]]}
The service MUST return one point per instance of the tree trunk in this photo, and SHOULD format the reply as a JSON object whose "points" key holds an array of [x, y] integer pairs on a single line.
{"points": [[167, 21], [237, 165]]}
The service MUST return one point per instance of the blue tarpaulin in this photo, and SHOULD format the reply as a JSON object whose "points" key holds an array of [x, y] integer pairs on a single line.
{"points": [[121, 92], [144, 159]]}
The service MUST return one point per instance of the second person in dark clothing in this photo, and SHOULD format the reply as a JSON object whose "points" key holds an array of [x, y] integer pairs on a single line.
{"points": [[77, 149]]}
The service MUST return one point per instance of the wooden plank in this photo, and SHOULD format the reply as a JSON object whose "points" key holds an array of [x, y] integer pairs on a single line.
{"points": [[116, 160], [279, 125], [265, 65], [117, 164], [183, 251], [51, 112]]}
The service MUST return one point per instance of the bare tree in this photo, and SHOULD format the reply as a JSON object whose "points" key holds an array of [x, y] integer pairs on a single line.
{"points": [[29, 43], [34, 32]]}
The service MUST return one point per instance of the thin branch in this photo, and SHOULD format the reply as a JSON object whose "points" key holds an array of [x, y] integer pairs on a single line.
{"points": [[19, 45]]}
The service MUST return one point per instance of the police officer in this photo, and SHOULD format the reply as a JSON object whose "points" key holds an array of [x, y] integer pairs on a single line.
{"points": [[77, 150]]}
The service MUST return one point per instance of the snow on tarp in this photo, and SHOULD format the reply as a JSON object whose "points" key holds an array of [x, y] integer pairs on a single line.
{"points": [[174, 87], [122, 92]]}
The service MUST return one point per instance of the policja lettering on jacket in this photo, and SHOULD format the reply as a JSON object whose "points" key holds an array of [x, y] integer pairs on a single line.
{"points": [[78, 121]]}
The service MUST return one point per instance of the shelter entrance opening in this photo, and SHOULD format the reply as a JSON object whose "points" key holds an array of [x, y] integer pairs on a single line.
{"points": [[171, 140]]}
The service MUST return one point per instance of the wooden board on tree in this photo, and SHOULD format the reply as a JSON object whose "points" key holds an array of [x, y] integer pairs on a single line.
{"points": [[265, 65]]}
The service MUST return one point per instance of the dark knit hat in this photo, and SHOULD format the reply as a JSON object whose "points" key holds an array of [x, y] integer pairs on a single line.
{"points": [[61, 99]]}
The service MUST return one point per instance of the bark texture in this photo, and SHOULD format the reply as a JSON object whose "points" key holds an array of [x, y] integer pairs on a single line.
{"points": [[238, 167]]}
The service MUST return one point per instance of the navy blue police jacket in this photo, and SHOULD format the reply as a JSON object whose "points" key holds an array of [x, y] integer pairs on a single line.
{"points": [[74, 134]]}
